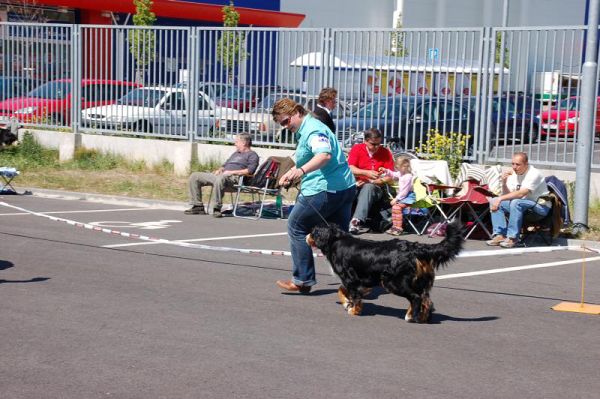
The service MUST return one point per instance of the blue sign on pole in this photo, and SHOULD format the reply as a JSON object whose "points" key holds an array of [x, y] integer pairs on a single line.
{"points": [[433, 53]]}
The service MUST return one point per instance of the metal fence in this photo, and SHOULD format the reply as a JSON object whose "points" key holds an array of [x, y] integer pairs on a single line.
{"points": [[508, 89]]}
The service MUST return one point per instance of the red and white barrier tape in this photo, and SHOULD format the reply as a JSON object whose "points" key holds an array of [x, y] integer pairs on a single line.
{"points": [[153, 239]]}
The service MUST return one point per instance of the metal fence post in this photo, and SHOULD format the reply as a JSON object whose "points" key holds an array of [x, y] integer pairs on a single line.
{"points": [[585, 141], [192, 84], [481, 141], [75, 77]]}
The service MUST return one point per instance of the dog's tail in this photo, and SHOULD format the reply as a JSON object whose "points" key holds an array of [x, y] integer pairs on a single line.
{"points": [[444, 252]]}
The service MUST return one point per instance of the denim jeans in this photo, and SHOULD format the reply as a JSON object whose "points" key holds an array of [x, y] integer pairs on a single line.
{"points": [[514, 209], [306, 214]]}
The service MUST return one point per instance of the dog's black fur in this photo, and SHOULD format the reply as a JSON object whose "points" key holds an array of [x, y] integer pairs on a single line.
{"points": [[402, 267], [7, 137]]}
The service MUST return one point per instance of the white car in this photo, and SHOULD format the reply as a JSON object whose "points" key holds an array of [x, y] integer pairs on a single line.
{"points": [[259, 122], [157, 110]]}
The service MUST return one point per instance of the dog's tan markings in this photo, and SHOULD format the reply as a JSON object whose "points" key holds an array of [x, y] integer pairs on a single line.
{"points": [[356, 309], [424, 268], [425, 309], [343, 297], [310, 240], [409, 316]]}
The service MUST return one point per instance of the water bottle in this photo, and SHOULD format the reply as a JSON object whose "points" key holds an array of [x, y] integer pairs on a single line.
{"points": [[278, 202]]}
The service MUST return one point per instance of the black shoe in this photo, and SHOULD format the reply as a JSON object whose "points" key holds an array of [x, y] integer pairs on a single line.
{"points": [[217, 213], [195, 210]]}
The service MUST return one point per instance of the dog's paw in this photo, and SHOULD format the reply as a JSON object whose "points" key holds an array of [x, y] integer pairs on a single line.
{"points": [[425, 311], [409, 315], [355, 310]]}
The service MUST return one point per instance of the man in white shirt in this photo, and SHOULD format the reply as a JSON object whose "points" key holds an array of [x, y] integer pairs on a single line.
{"points": [[522, 187]]}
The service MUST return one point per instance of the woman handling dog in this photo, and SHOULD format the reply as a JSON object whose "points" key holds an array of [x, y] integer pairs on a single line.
{"points": [[327, 187]]}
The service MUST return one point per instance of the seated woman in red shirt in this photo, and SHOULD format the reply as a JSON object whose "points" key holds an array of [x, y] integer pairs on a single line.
{"points": [[365, 160]]}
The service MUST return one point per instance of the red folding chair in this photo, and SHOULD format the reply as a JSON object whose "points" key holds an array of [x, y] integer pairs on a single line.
{"points": [[472, 207]]}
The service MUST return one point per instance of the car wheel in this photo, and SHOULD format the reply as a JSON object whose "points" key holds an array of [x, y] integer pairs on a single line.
{"points": [[144, 127], [55, 119]]}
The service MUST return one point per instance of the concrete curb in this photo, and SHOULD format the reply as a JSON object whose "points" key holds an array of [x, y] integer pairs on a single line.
{"points": [[584, 243], [108, 199]]}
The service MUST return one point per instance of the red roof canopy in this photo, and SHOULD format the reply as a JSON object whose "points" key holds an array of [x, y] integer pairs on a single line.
{"points": [[192, 11]]}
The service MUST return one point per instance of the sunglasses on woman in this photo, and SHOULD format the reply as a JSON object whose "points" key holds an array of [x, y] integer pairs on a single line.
{"points": [[285, 122]]}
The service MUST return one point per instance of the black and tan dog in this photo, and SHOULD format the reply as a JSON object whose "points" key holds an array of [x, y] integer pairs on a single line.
{"points": [[402, 267]]}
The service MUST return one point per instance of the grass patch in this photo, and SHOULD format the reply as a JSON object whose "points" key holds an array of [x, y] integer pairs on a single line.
{"points": [[96, 172]]}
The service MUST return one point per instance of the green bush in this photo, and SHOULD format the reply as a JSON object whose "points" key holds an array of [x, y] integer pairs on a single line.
{"points": [[29, 154], [448, 147]]}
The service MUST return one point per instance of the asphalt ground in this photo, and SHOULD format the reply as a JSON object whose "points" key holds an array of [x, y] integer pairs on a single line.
{"points": [[86, 314]]}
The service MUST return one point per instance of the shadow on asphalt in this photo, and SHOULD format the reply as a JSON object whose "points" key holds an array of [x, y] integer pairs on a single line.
{"points": [[33, 280]]}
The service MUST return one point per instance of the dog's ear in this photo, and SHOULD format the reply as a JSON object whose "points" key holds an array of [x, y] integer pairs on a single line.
{"points": [[321, 235], [335, 231]]}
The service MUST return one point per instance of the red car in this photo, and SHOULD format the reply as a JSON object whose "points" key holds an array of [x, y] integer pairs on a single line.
{"points": [[562, 119], [50, 103]]}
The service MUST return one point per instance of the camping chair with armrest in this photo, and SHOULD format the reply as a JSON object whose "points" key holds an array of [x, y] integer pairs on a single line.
{"points": [[420, 210], [436, 178], [535, 225], [470, 205], [263, 183]]}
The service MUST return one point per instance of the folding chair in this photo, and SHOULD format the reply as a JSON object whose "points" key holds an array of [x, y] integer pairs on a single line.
{"points": [[420, 209], [264, 183], [8, 174], [535, 225], [472, 200]]}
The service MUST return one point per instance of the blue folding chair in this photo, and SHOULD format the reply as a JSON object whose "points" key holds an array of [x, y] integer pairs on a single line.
{"points": [[8, 174]]}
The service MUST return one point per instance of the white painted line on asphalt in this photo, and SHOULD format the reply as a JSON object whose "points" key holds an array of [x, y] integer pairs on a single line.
{"points": [[196, 240], [88, 211], [512, 251], [514, 269]]}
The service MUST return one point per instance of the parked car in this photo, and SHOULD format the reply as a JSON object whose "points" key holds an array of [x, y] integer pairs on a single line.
{"points": [[407, 120], [212, 89], [51, 102], [11, 86], [562, 119], [243, 98], [259, 122], [513, 118], [160, 110]]}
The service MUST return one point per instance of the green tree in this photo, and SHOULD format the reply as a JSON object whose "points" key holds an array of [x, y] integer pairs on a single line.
{"points": [[142, 41], [499, 43], [397, 47], [230, 46]]}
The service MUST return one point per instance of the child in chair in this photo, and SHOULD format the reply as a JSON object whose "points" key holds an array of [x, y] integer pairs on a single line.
{"points": [[405, 196]]}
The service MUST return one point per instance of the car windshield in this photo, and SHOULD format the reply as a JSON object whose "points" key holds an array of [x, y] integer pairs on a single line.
{"points": [[506, 107], [51, 90], [381, 109], [238, 92], [266, 105], [568, 104], [142, 97]]}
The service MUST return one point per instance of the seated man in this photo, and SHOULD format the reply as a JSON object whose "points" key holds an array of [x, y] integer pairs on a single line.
{"points": [[244, 161], [365, 159], [522, 187]]}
